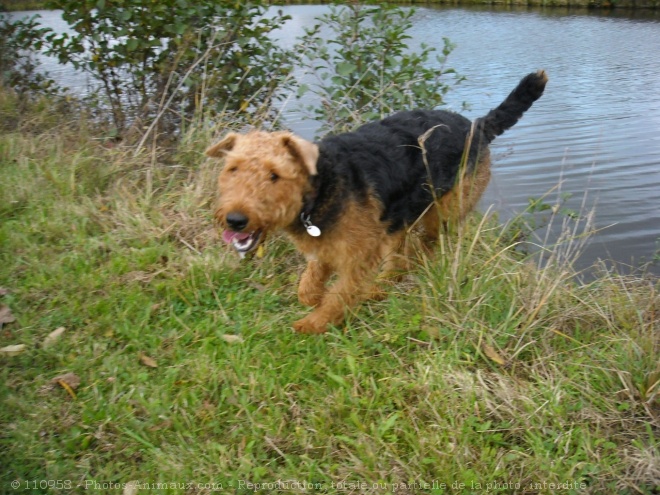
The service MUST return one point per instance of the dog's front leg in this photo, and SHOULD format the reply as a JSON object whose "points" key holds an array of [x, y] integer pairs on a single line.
{"points": [[354, 284], [312, 283]]}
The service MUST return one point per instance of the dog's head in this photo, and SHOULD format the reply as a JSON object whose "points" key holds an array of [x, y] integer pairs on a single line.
{"points": [[262, 185]]}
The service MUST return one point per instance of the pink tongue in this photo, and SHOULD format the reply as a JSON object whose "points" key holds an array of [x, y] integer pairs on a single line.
{"points": [[229, 235]]}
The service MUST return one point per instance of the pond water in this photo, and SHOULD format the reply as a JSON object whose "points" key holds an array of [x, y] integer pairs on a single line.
{"points": [[595, 134]]}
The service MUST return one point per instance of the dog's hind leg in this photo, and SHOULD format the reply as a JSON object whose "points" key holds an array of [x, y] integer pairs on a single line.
{"points": [[431, 224], [453, 207], [394, 265]]}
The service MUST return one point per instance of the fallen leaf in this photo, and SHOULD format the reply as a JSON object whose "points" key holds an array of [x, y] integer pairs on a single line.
{"points": [[491, 353], [131, 488], [12, 350], [232, 339], [71, 379], [53, 337], [69, 382], [148, 361], [3, 291], [68, 388], [5, 315]]}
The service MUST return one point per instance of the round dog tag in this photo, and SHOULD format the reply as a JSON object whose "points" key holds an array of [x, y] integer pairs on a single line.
{"points": [[313, 230]]}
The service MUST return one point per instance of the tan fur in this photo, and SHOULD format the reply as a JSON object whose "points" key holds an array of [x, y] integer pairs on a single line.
{"points": [[356, 250]]}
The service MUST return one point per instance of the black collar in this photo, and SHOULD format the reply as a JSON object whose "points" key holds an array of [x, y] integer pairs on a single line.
{"points": [[309, 202]]}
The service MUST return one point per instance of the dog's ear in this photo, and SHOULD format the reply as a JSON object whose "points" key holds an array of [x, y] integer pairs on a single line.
{"points": [[304, 151], [219, 149]]}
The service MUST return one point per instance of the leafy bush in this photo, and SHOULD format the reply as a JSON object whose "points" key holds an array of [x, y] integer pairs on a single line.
{"points": [[168, 58], [157, 63], [19, 41], [363, 69]]}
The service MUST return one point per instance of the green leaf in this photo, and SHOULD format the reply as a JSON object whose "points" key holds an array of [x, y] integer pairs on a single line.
{"points": [[346, 68], [302, 89], [132, 44]]}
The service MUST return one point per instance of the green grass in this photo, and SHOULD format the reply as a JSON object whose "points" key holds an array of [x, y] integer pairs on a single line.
{"points": [[480, 374]]}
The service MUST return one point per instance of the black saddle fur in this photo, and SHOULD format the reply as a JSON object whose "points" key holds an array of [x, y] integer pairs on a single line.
{"points": [[384, 158]]}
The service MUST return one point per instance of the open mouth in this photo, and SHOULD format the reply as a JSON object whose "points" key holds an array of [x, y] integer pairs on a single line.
{"points": [[242, 242]]}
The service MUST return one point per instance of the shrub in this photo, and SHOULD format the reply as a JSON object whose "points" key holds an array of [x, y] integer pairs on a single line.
{"points": [[164, 60], [363, 68], [19, 40]]}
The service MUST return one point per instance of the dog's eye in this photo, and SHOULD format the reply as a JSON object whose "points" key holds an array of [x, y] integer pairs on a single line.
{"points": [[233, 169], [274, 177]]}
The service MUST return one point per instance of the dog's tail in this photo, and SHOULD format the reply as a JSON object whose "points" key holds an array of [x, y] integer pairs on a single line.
{"points": [[512, 108]]}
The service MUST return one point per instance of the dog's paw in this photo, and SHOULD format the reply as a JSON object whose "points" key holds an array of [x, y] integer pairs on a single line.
{"points": [[310, 324]]}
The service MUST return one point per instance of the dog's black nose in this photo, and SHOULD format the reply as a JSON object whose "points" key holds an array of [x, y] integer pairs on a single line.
{"points": [[236, 221]]}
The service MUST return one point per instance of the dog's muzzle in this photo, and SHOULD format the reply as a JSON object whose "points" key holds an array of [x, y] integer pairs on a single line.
{"points": [[242, 242]]}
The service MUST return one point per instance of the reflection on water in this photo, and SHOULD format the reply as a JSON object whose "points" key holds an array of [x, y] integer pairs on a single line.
{"points": [[596, 129]]}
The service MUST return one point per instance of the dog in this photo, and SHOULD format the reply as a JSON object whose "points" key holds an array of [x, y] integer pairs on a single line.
{"points": [[348, 201]]}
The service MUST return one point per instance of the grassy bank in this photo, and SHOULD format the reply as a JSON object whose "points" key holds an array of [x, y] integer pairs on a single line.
{"points": [[176, 363]]}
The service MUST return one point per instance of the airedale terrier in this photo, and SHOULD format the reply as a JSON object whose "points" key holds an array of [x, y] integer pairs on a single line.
{"points": [[348, 200]]}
